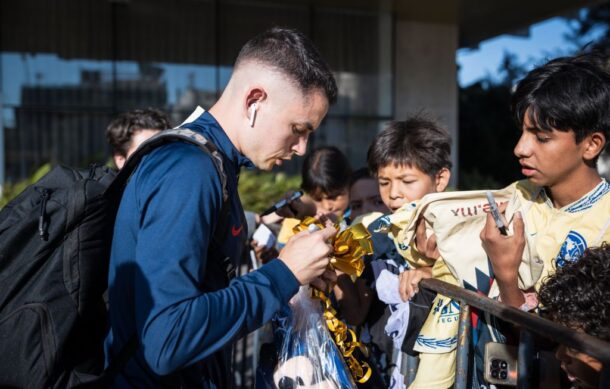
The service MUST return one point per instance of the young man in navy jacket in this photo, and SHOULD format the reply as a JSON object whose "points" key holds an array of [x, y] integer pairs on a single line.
{"points": [[166, 282]]}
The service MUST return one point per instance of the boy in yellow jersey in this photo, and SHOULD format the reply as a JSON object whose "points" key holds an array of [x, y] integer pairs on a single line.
{"points": [[410, 159], [563, 111]]}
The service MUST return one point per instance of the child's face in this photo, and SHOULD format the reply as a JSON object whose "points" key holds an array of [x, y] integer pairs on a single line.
{"points": [[364, 197], [580, 367], [335, 204], [550, 158], [401, 184]]}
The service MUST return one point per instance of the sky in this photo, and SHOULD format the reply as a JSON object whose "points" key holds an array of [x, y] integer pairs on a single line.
{"points": [[546, 40]]}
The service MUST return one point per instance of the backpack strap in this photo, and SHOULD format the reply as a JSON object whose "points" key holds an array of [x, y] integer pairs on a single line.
{"points": [[188, 136], [115, 190], [164, 137]]}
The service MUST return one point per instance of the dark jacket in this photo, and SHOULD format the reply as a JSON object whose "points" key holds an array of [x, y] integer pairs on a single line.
{"points": [[165, 282]]}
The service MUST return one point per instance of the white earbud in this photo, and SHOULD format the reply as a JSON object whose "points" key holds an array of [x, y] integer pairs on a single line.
{"points": [[252, 114]]}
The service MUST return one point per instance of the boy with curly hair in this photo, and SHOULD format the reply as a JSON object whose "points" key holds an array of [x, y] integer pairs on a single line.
{"points": [[578, 296]]}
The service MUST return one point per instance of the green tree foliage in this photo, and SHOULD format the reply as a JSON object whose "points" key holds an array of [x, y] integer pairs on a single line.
{"points": [[10, 191], [259, 190], [487, 131], [590, 30]]}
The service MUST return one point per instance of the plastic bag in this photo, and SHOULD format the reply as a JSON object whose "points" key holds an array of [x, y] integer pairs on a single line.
{"points": [[307, 355]]}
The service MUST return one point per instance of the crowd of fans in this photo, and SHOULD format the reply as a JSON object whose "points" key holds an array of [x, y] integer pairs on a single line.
{"points": [[168, 285]]}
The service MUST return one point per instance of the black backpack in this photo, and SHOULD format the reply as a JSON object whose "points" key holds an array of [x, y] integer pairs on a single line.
{"points": [[54, 252]]}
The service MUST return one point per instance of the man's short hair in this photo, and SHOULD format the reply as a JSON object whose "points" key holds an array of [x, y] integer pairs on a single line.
{"points": [[578, 294], [326, 171], [418, 142], [568, 93], [120, 130], [295, 55]]}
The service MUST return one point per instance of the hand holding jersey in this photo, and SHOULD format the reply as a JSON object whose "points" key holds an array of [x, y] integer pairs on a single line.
{"points": [[409, 281], [425, 245]]}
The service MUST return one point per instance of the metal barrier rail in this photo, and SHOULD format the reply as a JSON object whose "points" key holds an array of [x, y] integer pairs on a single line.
{"points": [[529, 323]]}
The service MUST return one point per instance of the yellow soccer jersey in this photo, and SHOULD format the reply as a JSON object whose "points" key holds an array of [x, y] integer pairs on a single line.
{"points": [[557, 236], [286, 230]]}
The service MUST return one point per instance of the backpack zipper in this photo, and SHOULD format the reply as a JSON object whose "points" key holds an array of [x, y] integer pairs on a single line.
{"points": [[43, 225]]}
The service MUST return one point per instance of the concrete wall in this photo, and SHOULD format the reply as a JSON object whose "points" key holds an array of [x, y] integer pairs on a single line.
{"points": [[426, 75]]}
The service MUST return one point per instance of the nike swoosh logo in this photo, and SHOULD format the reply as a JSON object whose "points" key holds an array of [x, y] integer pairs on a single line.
{"points": [[236, 231]]}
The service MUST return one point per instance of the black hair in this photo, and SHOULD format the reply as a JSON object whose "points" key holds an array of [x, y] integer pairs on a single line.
{"points": [[360, 174], [325, 171], [567, 93], [121, 129], [295, 55], [578, 294], [418, 141]]}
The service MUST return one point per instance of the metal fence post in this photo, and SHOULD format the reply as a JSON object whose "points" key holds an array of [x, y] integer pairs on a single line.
{"points": [[256, 335], [463, 347], [531, 324], [525, 361], [408, 366], [604, 380]]}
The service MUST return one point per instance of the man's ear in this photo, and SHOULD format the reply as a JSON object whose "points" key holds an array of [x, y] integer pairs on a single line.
{"points": [[441, 180], [254, 96], [594, 145]]}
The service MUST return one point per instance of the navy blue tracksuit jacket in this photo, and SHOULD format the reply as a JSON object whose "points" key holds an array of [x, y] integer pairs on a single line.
{"points": [[167, 287]]}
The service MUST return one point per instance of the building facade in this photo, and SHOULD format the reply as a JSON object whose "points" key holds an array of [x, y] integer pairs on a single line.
{"points": [[68, 66]]}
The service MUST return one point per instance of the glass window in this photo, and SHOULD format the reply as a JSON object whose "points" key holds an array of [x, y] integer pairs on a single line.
{"points": [[69, 68]]}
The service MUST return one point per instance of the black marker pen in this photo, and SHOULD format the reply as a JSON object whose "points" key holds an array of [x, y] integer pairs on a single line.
{"points": [[495, 213], [282, 203]]}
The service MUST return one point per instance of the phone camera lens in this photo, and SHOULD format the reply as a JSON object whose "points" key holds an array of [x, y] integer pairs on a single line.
{"points": [[495, 363], [503, 375], [494, 373], [503, 364]]}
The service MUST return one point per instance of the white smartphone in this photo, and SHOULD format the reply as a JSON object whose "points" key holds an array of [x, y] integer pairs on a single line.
{"points": [[264, 236]]}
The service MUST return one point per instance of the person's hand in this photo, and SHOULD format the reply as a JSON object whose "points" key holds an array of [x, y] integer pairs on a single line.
{"points": [[306, 254], [325, 281], [505, 252], [272, 218], [409, 281], [425, 245], [299, 208], [263, 254], [327, 218]]}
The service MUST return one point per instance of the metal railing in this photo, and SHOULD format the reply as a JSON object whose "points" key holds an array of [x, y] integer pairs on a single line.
{"points": [[527, 323]]}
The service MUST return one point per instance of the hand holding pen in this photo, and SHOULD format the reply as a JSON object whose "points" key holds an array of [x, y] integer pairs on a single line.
{"points": [[505, 252]]}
